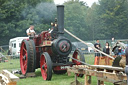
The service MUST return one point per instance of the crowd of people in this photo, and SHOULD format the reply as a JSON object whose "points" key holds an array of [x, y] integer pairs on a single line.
{"points": [[107, 48]]}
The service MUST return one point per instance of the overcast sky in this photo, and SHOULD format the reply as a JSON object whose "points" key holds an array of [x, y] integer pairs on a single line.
{"points": [[89, 2]]}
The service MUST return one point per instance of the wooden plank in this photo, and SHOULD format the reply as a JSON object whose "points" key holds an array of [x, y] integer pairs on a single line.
{"points": [[76, 82], [30, 74], [75, 71], [99, 82], [4, 78], [7, 78], [111, 76], [107, 67], [12, 83], [87, 80], [10, 76]]}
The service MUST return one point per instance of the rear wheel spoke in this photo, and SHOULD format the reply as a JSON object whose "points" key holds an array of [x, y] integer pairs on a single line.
{"points": [[45, 65], [24, 50], [25, 64]]}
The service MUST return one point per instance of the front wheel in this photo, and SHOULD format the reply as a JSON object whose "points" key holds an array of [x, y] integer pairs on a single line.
{"points": [[46, 66]]}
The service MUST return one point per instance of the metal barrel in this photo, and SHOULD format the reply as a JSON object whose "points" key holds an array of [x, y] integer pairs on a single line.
{"points": [[60, 18]]}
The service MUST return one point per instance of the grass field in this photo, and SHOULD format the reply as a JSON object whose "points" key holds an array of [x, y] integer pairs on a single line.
{"points": [[64, 79]]}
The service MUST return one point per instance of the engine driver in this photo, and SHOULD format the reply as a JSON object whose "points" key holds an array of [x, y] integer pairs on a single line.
{"points": [[30, 31]]}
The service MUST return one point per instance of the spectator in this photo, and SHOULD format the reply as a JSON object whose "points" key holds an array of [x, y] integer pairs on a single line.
{"points": [[113, 41], [119, 51], [97, 46], [107, 49]]}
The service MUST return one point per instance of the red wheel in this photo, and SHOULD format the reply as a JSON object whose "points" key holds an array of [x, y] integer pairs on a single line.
{"points": [[27, 56], [79, 56], [46, 66]]}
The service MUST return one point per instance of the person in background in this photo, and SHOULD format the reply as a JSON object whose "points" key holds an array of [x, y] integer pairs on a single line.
{"points": [[113, 41], [107, 48], [119, 51], [30, 31], [97, 45]]}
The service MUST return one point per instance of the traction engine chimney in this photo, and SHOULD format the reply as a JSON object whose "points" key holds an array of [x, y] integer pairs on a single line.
{"points": [[60, 17]]}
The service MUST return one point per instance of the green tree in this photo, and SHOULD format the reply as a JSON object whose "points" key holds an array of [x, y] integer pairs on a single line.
{"points": [[75, 13], [17, 15], [109, 18], [91, 20]]}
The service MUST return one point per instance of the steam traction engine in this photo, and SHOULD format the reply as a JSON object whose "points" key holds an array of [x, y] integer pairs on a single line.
{"points": [[49, 51]]}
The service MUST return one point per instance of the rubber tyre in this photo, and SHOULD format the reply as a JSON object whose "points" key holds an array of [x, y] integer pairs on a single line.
{"points": [[46, 66], [27, 56]]}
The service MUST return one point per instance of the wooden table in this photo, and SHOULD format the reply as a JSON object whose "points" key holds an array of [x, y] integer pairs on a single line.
{"points": [[115, 75]]}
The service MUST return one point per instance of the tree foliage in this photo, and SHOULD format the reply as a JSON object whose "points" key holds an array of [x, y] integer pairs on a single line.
{"points": [[112, 19], [75, 18], [17, 15], [103, 20]]}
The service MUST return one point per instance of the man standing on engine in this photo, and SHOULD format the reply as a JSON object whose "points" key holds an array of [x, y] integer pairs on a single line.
{"points": [[30, 31]]}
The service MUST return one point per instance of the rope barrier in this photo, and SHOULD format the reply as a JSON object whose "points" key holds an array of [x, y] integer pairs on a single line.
{"points": [[87, 44]]}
